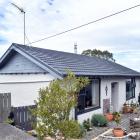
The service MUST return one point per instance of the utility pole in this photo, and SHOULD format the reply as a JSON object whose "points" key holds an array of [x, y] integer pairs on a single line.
{"points": [[23, 12]]}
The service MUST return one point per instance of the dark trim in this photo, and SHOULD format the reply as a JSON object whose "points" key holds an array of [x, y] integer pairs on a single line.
{"points": [[107, 76], [88, 110]]}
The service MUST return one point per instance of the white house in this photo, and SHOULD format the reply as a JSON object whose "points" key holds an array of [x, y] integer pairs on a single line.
{"points": [[24, 70]]}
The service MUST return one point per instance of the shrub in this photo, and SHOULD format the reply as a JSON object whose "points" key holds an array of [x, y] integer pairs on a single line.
{"points": [[82, 131], [87, 124], [70, 129], [99, 120], [54, 105]]}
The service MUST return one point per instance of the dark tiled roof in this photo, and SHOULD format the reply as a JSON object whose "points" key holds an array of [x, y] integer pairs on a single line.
{"points": [[79, 64]]}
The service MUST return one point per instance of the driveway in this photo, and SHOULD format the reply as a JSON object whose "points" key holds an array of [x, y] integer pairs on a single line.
{"points": [[8, 132]]}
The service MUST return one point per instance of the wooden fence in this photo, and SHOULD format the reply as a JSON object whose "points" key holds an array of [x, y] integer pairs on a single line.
{"points": [[22, 115], [5, 106], [23, 118]]}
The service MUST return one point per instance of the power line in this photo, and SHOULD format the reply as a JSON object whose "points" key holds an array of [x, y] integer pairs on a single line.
{"points": [[77, 27]]}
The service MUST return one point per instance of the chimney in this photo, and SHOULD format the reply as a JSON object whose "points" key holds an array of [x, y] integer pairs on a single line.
{"points": [[75, 48]]}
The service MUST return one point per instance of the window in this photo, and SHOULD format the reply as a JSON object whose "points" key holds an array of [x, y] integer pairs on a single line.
{"points": [[89, 97], [130, 89]]}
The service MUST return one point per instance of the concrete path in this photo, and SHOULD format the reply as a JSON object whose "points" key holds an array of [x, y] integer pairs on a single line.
{"points": [[8, 132]]}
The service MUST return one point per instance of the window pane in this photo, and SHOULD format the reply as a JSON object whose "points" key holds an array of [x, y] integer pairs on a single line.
{"points": [[95, 93], [130, 89], [81, 102], [89, 96]]}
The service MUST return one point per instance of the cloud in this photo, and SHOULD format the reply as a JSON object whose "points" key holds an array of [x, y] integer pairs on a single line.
{"points": [[118, 34], [50, 2]]}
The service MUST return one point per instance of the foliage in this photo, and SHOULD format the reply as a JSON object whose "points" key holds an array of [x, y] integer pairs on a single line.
{"points": [[87, 124], [133, 105], [70, 129], [9, 121], [98, 53], [55, 103], [82, 130], [117, 117], [99, 120]]}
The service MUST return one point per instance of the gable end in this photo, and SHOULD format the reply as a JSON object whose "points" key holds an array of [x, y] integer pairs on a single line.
{"points": [[17, 63]]}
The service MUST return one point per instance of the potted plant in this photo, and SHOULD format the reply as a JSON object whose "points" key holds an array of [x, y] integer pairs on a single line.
{"points": [[108, 115], [134, 108], [117, 131], [127, 108]]}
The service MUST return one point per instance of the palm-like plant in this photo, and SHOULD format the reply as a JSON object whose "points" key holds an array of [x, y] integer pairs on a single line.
{"points": [[117, 117]]}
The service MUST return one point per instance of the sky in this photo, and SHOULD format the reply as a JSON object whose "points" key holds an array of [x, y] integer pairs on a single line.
{"points": [[119, 34]]}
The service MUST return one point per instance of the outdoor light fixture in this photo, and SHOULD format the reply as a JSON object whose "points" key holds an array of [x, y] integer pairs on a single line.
{"points": [[106, 90]]}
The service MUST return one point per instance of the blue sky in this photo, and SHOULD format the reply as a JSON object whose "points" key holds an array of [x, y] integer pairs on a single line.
{"points": [[119, 34]]}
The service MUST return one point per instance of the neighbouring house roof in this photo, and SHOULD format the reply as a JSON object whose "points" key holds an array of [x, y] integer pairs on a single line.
{"points": [[59, 62]]}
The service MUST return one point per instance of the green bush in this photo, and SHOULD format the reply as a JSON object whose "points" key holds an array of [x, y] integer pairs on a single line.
{"points": [[82, 131], [70, 129], [99, 120], [87, 124]]}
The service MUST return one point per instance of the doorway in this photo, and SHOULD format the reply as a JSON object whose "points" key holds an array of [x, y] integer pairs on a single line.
{"points": [[114, 96]]}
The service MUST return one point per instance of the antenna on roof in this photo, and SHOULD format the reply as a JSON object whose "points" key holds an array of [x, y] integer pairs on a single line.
{"points": [[75, 48], [23, 12]]}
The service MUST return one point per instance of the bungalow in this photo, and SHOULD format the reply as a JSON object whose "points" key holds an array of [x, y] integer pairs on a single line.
{"points": [[24, 70]]}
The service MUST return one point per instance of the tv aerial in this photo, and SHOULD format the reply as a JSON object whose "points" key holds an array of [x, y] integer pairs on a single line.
{"points": [[23, 12]]}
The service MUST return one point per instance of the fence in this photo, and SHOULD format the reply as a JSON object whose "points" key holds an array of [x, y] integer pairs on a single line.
{"points": [[5, 106], [23, 118], [22, 115]]}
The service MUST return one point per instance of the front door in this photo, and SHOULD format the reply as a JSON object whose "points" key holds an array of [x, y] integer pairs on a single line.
{"points": [[114, 96]]}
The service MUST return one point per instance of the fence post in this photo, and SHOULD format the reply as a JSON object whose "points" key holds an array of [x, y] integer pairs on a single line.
{"points": [[5, 106]]}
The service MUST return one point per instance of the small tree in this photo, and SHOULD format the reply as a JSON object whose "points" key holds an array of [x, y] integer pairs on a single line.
{"points": [[98, 53], [54, 105]]}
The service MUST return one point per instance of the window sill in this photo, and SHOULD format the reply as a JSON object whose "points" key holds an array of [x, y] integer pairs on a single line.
{"points": [[130, 98], [88, 110]]}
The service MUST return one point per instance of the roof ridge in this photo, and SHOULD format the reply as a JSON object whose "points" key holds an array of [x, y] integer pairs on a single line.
{"points": [[63, 52]]}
